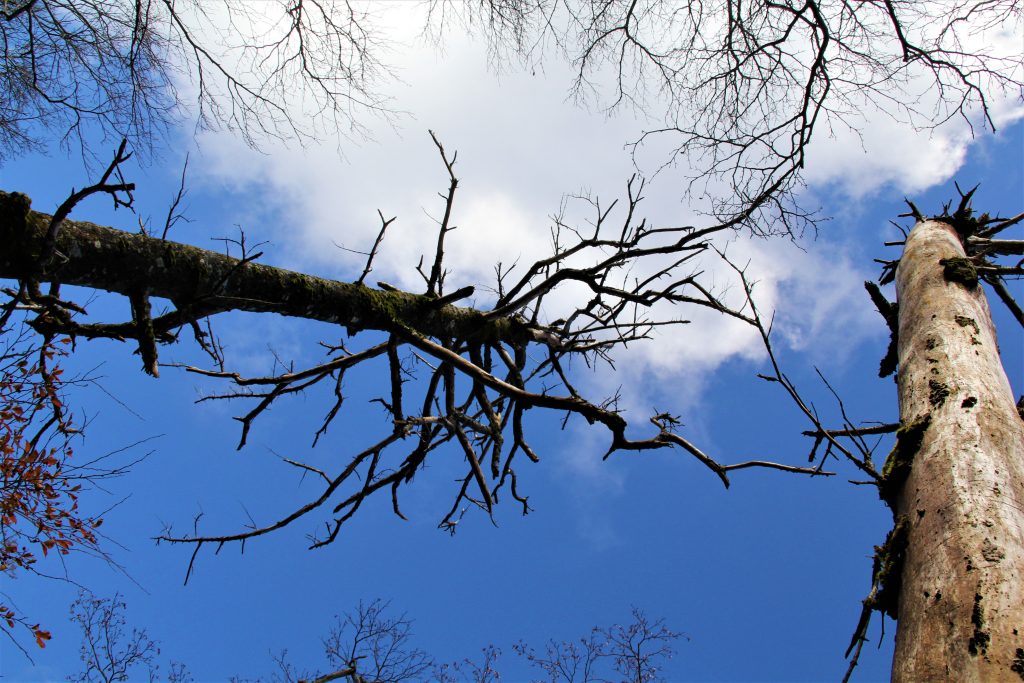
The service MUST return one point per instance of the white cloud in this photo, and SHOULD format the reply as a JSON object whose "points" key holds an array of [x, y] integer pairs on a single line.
{"points": [[863, 160], [898, 145], [815, 296], [522, 146]]}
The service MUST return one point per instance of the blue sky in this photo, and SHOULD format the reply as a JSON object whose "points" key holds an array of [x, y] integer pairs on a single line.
{"points": [[765, 578]]}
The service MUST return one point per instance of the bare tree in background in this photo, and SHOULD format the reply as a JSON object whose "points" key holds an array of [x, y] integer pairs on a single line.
{"points": [[741, 86], [745, 87], [110, 652], [635, 653], [137, 68], [369, 645], [482, 670]]}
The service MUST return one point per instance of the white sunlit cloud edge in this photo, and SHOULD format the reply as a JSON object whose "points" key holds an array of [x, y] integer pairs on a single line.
{"points": [[309, 188], [514, 167]]}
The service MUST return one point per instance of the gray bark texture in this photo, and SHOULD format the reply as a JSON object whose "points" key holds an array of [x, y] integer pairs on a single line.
{"points": [[961, 600]]}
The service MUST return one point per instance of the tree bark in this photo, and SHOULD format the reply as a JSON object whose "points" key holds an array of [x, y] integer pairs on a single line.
{"points": [[201, 282], [961, 600]]}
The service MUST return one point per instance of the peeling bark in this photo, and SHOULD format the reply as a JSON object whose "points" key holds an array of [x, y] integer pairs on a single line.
{"points": [[201, 282], [961, 609]]}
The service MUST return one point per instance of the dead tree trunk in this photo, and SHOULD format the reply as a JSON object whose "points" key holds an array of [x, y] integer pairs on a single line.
{"points": [[961, 602], [202, 283]]}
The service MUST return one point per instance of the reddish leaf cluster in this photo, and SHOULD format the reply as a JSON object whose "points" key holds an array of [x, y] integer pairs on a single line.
{"points": [[38, 495]]}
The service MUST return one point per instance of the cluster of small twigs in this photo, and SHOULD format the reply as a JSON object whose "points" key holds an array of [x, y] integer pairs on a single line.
{"points": [[742, 87], [472, 394], [736, 89], [978, 235], [373, 644], [73, 65]]}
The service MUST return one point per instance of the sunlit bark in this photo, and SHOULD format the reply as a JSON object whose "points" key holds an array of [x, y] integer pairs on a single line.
{"points": [[961, 604]]}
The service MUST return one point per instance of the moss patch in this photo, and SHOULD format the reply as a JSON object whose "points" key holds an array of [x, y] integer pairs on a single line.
{"points": [[1017, 666], [938, 392], [901, 458], [991, 552], [964, 321], [887, 569], [978, 643], [960, 270], [14, 207], [890, 312]]}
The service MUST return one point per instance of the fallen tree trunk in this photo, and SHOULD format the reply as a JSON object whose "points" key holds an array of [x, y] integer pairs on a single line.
{"points": [[201, 282]]}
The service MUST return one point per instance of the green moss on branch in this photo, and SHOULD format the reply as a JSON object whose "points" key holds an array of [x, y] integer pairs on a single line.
{"points": [[901, 458], [116, 261]]}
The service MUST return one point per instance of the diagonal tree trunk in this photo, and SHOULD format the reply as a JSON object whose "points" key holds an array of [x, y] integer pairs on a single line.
{"points": [[961, 602], [201, 282]]}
